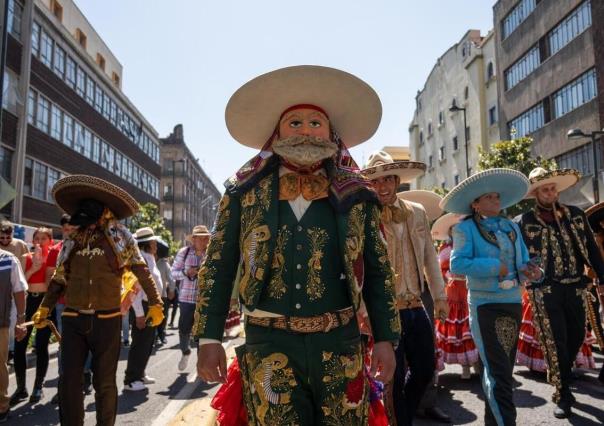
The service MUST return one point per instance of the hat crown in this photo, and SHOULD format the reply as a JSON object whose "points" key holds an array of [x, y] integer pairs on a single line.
{"points": [[537, 172], [378, 158], [144, 233], [200, 229]]}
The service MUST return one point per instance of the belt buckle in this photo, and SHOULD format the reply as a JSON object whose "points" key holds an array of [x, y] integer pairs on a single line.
{"points": [[328, 322], [87, 311]]}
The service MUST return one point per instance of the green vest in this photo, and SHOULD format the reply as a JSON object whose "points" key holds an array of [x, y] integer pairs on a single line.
{"points": [[307, 276]]}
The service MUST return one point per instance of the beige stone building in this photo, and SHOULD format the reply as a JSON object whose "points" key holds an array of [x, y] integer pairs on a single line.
{"points": [[188, 195], [464, 78]]}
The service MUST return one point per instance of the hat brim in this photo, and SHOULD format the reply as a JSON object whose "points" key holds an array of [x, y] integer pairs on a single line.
{"points": [[511, 185], [353, 107], [440, 229], [204, 234], [149, 238], [563, 179], [69, 191], [595, 214], [407, 171], [428, 199]]}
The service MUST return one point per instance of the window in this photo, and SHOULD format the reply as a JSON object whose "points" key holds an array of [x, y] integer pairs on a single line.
{"points": [[46, 49], [15, 12], [59, 61], [529, 121], [31, 107], [28, 176], [80, 82], [456, 179], [90, 90], [443, 184], [106, 106], [53, 177], [5, 163], [429, 161], [580, 159], [118, 164], [455, 143], [68, 130], [115, 78], [70, 72], [492, 115], [98, 99], [490, 71], [573, 25], [40, 188], [100, 60], [42, 113], [467, 133], [522, 67], [441, 154], [168, 214], [575, 94], [167, 190], [430, 129], [113, 112], [441, 118], [78, 137], [87, 143], [35, 39], [81, 37], [516, 16], [56, 118], [466, 93], [57, 9]]}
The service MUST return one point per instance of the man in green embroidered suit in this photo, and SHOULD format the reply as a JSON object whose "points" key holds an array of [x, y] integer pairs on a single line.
{"points": [[303, 227], [561, 236]]}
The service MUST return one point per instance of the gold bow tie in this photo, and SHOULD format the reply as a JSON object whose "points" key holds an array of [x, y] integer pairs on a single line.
{"points": [[310, 186], [393, 214]]}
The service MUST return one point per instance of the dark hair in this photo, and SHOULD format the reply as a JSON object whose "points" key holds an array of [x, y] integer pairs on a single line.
{"points": [[6, 227], [144, 246], [65, 219]]}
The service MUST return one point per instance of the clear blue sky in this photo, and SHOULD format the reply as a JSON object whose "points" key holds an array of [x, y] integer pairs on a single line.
{"points": [[183, 59]]}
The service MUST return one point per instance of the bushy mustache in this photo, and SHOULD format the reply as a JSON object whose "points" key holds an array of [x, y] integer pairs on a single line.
{"points": [[305, 150], [296, 140]]}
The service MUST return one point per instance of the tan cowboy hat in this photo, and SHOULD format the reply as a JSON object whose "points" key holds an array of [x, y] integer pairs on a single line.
{"points": [[428, 199], [352, 106], [70, 190], [563, 178], [380, 164], [145, 234], [199, 231], [440, 229]]}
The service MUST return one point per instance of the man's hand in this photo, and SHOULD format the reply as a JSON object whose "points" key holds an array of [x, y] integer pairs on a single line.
{"points": [[441, 309], [39, 317], [192, 273], [20, 332], [211, 363], [532, 272], [383, 362], [140, 323]]}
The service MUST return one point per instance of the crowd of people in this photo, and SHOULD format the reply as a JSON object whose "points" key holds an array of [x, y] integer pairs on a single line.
{"points": [[354, 295]]}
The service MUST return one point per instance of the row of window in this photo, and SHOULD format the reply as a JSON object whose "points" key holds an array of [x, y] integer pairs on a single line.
{"points": [[580, 159], [568, 98], [13, 22], [517, 16], [562, 34], [61, 126], [64, 65], [39, 180]]}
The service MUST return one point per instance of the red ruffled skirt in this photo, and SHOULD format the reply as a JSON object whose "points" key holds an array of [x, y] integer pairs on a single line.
{"points": [[453, 337]]}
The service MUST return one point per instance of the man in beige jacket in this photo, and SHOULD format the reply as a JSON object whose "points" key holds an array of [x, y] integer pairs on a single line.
{"points": [[411, 254]]}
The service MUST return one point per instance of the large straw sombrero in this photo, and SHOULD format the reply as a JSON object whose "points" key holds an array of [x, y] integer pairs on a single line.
{"points": [[428, 199], [563, 178], [352, 106], [380, 164], [70, 190], [595, 214], [511, 185], [440, 229]]}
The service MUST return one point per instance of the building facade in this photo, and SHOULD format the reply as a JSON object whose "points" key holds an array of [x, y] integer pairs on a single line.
{"points": [[551, 65], [64, 112], [189, 197], [456, 112]]}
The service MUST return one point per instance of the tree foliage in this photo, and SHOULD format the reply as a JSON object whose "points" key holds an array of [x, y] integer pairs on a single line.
{"points": [[513, 154], [148, 215]]}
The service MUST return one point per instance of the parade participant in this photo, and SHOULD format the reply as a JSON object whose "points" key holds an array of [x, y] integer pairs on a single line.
{"points": [[563, 239], [286, 216], [143, 335], [414, 259], [169, 288], [12, 313], [453, 336], [35, 273], [90, 269], [9, 243], [488, 249], [185, 269]]}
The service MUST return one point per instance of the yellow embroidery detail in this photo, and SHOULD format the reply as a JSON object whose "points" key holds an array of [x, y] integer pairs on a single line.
{"points": [[87, 252], [315, 286], [506, 330], [277, 287]]}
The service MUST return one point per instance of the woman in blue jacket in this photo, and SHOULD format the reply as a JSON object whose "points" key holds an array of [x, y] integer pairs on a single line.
{"points": [[488, 249]]}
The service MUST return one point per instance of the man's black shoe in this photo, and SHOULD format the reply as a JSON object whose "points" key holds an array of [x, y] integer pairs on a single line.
{"points": [[4, 416], [18, 396], [55, 399], [436, 414], [563, 409], [36, 395]]}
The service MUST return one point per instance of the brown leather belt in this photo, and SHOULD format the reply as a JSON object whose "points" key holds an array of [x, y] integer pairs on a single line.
{"points": [[315, 324], [402, 304]]}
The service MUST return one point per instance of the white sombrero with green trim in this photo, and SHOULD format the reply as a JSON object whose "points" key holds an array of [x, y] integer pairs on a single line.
{"points": [[511, 185], [352, 106]]}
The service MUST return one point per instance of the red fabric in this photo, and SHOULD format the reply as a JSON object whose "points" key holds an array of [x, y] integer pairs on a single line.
{"points": [[233, 319], [228, 401], [40, 275]]}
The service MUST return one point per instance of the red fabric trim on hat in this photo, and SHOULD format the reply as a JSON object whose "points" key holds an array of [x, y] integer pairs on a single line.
{"points": [[304, 106]]}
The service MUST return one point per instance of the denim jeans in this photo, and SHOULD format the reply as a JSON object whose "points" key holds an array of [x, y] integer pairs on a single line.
{"points": [[185, 325]]}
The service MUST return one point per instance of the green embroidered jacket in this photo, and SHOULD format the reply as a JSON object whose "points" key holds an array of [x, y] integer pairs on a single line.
{"points": [[247, 236]]}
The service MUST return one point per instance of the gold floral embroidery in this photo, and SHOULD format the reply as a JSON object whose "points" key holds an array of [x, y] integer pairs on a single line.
{"points": [[277, 287], [315, 287], [506, 330]]}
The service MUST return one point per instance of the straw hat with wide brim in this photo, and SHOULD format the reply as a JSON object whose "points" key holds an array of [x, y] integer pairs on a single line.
{"points": [[199, 231], [563, 178], [511, 185], [145, 234], [440, 229], [595, 214], [380, 164], [70, 190], [352, 106], [428, 199]]}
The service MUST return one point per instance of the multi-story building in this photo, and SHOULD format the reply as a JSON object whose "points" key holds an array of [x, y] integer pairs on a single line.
{"points": [[65, 112], [551, 68], [460, 92], [189, 197]]}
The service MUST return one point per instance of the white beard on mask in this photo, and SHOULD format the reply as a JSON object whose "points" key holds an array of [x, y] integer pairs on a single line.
{"points": [[304, 150]]}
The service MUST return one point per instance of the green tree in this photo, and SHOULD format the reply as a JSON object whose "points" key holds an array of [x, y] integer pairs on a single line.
{"points": [[148, 215], [513, 154]]}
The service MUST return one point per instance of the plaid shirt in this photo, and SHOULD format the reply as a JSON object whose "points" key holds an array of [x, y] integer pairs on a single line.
{"points": [[187, 291]]}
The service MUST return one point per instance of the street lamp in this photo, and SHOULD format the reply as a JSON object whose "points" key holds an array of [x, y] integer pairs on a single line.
{"points": [[174, 193], [577, 134], [455, 108]]}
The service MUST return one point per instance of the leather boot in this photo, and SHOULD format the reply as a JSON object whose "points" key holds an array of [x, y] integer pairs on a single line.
{"points": [[20, 394]]}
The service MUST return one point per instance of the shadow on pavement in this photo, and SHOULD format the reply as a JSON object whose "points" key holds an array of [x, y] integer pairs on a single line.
{"points": [[127, 402], [527, 399]]}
